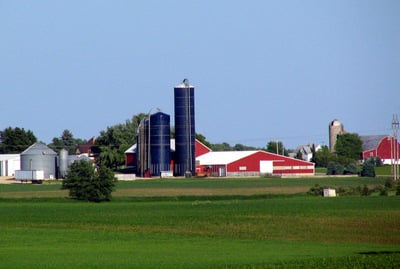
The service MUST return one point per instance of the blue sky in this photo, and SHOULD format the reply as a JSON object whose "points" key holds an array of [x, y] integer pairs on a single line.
{"points": [[262, 70]]}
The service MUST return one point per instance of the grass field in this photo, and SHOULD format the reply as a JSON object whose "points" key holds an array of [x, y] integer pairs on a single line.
{"points": [[177, 228]]}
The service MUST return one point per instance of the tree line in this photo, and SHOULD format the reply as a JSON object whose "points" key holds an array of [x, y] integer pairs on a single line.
{"points": [[112, 142]]}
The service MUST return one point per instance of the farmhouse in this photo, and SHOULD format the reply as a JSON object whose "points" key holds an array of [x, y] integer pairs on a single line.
{"points": [[382, 146]]}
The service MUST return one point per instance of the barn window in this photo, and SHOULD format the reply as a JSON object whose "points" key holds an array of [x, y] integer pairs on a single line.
{"points": [[242, 168]]}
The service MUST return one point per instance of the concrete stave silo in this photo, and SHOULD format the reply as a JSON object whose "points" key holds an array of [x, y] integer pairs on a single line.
{"points": [[336, 128]]}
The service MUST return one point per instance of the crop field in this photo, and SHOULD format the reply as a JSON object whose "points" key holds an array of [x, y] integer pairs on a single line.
{"points": [[199, 223]]}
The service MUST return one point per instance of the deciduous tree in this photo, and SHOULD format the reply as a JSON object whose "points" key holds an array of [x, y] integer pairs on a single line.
{"points": [[348, 147], [85, 183]]}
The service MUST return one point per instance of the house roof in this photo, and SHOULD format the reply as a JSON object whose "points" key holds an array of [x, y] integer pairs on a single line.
{"points": [[223, 157], [371, 141]]}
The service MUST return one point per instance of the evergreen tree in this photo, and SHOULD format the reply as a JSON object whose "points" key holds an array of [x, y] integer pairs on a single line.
{"points": [[368, 168]]}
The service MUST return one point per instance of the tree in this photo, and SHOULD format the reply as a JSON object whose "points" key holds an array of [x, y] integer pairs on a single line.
{"points": [[116, 139], [15, 140], [66, 141], [348, 147], [276, 147], [85, 183], [221, 147], [322, 157], [241, 147], [202, 139], [368, 168]]}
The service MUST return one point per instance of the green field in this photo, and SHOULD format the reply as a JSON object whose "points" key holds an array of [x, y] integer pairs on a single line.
{"points": [[221, 229]]}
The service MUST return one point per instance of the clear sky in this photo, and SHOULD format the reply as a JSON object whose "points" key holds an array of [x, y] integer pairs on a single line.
{"points": [[262, 70]]}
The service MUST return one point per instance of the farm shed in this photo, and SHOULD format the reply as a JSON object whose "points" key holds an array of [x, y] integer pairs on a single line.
{"points": [[382, 146], [9, 163], [251, 163]]}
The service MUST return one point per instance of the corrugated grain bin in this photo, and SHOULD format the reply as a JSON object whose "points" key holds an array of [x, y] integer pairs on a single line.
{"points": [[39, 157], [63, 163]]}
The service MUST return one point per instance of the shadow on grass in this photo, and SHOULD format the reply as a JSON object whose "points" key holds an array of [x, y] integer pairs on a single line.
{"points": [[379, 252]]}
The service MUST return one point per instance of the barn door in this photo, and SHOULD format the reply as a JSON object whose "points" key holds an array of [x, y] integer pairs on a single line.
{"points": [[266, 167]]}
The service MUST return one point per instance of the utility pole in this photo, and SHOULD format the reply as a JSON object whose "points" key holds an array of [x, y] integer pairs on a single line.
{"points": [[395, 147]]}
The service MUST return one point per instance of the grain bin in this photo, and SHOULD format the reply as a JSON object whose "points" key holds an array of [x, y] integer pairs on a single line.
{"points": [[185, 161], [63, 163], [39, 157]]}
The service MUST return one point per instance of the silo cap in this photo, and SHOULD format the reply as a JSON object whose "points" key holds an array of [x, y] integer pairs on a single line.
{"points": [[185, 84]]}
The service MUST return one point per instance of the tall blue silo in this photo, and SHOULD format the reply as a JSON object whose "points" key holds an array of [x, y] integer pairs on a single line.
{"points": [[159, 143], [185, 162]]}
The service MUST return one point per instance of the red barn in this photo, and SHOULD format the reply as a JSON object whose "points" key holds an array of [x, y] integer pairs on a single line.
{"points": [[251, 163], [382, 146]]}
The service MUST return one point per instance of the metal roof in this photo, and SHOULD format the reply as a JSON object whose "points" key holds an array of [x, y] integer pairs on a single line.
{"points": [[38, 149], [223, 157], [371, 141]]}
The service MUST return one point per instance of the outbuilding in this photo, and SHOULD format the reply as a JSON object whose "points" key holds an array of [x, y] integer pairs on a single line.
{"points": [[251, 163], [9, 163], [381, 146]]}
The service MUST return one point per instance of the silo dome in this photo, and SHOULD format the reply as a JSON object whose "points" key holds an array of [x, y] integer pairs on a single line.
{"points": [[39, 157]]}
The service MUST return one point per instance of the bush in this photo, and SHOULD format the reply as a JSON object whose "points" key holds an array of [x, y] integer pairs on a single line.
{"points": [[350, 169], [85, 183], [339, 169], [330, 169], [317, 190], [389, 183], [335, 169], [365, 191], [368, 168]]}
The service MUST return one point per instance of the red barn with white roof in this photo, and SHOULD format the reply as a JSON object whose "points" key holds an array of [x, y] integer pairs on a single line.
{"points": [[251, 163]]}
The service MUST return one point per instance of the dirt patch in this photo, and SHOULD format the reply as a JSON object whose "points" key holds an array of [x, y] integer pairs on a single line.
{"points": [[7, 180]]}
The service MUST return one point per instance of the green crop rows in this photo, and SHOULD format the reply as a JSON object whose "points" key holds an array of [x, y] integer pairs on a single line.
{"points": [[293, 231]]}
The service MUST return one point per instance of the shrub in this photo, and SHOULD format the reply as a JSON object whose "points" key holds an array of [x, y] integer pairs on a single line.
{"points": [[339, 169], [368, 168], [85, 183], [389, 183], [317, 190], [350, 169], [378, 162], [365, 191], [330, 169], [383, 191]]}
